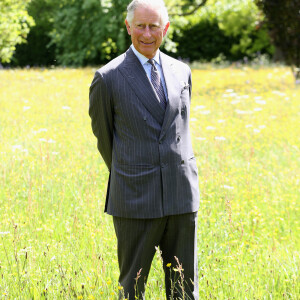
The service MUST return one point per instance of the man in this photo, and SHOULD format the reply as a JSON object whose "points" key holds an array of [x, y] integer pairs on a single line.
{"points": [[140, 107]]}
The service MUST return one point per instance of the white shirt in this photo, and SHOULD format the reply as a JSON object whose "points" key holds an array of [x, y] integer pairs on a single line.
{"points": [[147, 67]]}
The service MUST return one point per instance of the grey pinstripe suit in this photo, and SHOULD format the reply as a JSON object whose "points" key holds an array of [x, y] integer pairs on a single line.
{"points": [[153, 171]]}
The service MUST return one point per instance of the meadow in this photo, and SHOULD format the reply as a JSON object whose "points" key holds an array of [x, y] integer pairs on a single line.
{"points": [[55, 240]]}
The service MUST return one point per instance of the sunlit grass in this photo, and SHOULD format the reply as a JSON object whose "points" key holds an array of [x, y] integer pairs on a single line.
{"points": [[55, 240]]}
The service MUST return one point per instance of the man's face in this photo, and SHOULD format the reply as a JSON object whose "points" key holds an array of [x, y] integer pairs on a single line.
{"points": [[146, 30]]}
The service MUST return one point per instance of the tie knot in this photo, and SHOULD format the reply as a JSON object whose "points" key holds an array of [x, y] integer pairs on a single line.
{"points": [[151, 62]]}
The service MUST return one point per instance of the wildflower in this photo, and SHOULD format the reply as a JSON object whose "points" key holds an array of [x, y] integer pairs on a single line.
{"points": [[17, 147], [227, 187], [262, 102], [243, 112], [4, 233], [199, 107], [79, 297], [169, 265], [235, 102], [205, 112], [220, 138]]}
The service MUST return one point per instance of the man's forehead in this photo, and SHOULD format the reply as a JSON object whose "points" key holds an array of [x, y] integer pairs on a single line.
{"points": [[147, 15]]}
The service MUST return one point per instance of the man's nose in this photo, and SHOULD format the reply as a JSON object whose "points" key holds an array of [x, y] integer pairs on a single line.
{"points": [[147, 32]]}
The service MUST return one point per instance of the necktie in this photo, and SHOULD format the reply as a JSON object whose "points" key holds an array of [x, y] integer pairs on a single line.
{"points": [[156, 82]]}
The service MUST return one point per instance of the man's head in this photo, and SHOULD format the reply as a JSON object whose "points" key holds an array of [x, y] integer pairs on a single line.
{"points": [[147, 22]]}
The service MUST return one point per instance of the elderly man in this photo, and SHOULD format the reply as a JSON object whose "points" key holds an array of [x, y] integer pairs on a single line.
{"points": [[140, 107]]}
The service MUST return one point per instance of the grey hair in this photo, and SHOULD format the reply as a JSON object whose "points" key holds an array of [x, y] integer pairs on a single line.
{"points": [[134, 4]]}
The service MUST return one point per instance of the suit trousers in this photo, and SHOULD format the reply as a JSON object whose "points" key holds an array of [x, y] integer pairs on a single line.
{"points": [[176, 237]]}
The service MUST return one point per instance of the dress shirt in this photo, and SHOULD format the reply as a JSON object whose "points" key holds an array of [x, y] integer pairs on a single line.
{"points": [[147, 67]]}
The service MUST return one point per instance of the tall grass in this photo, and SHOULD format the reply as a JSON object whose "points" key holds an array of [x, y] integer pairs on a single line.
{"points": [[55, 240]]}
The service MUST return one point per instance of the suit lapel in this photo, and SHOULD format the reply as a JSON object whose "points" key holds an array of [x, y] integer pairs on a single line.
{"points": [[173, 90], [137, 78]]}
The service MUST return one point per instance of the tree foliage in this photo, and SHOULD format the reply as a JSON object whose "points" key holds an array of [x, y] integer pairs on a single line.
{"points": [[89, 31], [14, 26], [38, 51], [82, 32], [283, 19], [240, 20], [184, 8]]}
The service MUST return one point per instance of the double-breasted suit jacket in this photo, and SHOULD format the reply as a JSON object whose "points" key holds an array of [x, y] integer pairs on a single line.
{"points": [[147, 149]]}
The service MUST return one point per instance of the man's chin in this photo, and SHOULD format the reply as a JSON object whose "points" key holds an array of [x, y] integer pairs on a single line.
{"points": [[149, 52]]}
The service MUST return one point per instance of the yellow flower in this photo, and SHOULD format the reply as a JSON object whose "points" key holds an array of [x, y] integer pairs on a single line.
{"points": [[169, 265], [79, 297]]}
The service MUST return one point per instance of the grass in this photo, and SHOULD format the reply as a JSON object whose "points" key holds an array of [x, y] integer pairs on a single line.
{"points": [[55, 240]]}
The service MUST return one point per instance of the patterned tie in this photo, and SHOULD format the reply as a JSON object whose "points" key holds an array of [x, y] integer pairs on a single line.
{"points": [[156, 82]]}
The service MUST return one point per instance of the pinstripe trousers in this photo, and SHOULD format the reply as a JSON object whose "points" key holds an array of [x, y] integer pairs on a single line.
{"points": [[176, 237]]}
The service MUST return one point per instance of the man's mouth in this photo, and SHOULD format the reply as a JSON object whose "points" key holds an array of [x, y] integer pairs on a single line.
{"points": [[147, 43]]}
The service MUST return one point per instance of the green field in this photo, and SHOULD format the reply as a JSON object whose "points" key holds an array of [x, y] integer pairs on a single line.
{"points": [[55, 240]]}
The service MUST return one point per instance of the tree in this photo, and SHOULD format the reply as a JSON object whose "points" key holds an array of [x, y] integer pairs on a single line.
{"points": [[37, 50], [283, 19], [183, 8], [15, 24], [222, 29], [89, 31]]}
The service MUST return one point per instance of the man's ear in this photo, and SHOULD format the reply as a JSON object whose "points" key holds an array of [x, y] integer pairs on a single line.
{"points": [[166, 28], [128, 27]]}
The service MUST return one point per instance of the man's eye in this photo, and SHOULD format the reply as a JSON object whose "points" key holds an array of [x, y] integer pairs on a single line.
{"points": [[154, 27]]}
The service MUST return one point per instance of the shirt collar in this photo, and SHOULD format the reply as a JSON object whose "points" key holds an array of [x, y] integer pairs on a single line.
{"points": [[143, 59]]}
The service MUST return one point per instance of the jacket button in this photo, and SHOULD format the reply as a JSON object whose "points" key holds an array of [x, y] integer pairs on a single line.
{"points": [[178, 138], [182, 162]]}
